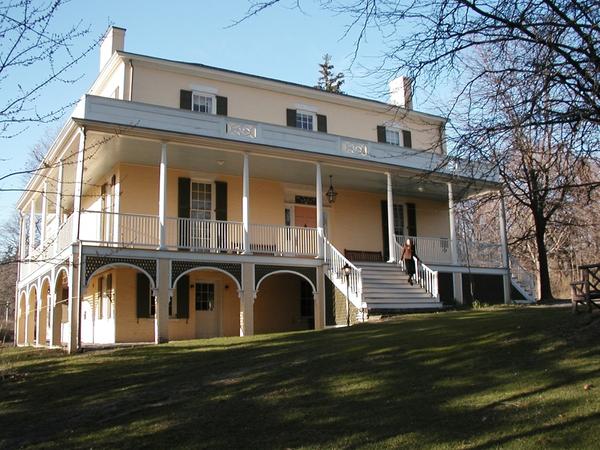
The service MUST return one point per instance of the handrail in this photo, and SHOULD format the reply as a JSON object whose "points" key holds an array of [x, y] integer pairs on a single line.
{"points": [[336, 262], [424, 275], [523, 277]]}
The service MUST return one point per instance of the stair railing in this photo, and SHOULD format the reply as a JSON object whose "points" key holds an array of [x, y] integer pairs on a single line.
{"points": [[524, 278], [424, 275], [336, 262]]}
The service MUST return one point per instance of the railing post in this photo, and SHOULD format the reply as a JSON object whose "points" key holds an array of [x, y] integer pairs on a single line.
{"points": [[390, 218], [319, 194], [246, 204], [162, 197]]}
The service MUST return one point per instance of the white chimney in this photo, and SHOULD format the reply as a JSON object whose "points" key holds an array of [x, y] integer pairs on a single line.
{"points": [[401, 92], [114, 40]]}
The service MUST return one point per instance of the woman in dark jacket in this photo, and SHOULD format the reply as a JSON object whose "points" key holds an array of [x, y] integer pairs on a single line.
{"points": [[408, 252]]}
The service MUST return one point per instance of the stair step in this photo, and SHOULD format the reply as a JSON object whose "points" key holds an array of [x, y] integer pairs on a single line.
{"points": [[405, 306]]}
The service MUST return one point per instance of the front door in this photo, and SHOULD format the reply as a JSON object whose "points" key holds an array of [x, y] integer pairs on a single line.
{"points": [[305, 216], [208, 308]]}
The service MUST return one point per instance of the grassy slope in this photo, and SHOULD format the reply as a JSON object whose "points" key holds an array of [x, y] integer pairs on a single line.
{"points": [[497, 378]]}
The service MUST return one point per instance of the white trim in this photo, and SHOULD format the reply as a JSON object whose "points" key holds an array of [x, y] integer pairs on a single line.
{"points": [[308, 108], [307, 113], [203, 88], [213, 106]]}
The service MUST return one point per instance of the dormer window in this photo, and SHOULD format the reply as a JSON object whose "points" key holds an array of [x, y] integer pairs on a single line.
{"points": [[203, 102], [394, 135], [305, 120]]}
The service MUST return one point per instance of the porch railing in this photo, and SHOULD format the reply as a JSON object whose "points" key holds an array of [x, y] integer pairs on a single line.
{"points": [[335, 272], [204, 235], [424, 275], [119, 229], [285, 241]]}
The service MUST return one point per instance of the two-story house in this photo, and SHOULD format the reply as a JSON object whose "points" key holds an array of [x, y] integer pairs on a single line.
{"points": [[182, 201]]}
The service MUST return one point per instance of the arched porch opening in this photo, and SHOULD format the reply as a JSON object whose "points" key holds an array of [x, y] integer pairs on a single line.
{"points": [[31, 318], [205, 304], [284, 302], [60, 329]]}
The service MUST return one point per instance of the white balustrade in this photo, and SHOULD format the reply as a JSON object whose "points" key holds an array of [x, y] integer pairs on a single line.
{"points": [[134, 230], [335, 271], [284, 241], [424, 275], [523, 277], [204, 235]]}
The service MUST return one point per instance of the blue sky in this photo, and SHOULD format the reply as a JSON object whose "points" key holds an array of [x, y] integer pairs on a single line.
{"points": [[281, 43]]}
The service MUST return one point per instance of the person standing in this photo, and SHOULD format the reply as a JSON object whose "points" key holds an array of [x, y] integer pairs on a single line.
{"points": [[408, 253]]}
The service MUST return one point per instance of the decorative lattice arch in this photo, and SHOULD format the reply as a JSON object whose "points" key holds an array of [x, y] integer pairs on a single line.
{"points": [[93, 263], [262, 270], [179, 267]]}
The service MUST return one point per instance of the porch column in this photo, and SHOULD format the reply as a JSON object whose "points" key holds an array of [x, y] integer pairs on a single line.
{"points": [[59, 193], [54, 323], [162, 294], [390, 217], [246, 205], [319, 194], [38, 316], [78, 185], [506, 282], [456, 277], [319, 297], [44, 212], [22, 236], [31, 228], [75, 293], [162, 197], [247, 296]]}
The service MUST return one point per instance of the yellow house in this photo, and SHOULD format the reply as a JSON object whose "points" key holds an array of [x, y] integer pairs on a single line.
{"points": [[183, 201]]}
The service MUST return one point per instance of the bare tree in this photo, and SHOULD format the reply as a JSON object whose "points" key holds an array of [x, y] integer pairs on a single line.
{"points": [[35, 55]]}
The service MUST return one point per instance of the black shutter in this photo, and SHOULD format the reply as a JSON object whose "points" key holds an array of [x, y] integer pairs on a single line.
{"points": [[221, 106], [411, 212], [183, 297], [291, 117], [185, 99], [380, 133], [221, 200], [183, 208], [143, 296], [407, 138], [322, 123], [384, 230]]}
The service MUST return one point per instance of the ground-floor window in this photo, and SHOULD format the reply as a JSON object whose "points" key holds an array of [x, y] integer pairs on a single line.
{"points": [[205, 296]]}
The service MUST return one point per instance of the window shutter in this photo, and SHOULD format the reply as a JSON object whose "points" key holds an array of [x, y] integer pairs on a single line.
{"points": [[322, 123], [411, 212], [291, 117], [183, 209], [221, 106], [407, 138], [380, 133], [143, 296], [183, 297], [221, 200], [185, 99]]}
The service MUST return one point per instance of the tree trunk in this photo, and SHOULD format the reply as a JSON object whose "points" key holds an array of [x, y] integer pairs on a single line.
{"points": [[543, 278]]}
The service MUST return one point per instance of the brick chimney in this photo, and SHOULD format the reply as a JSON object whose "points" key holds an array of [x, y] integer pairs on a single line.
{"points": [[401, 93], [114, 40]]}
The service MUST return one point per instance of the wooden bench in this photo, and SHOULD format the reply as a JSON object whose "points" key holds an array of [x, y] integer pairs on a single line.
{"points": [[362, 255], [586, 291]]}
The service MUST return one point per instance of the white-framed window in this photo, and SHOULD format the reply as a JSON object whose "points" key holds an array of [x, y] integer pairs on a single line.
{"points": [[392, 136], [203, 102], [205, 296], [305, 120]]}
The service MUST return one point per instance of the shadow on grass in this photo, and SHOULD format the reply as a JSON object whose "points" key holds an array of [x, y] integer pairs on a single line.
{"points": [[465, 379]]}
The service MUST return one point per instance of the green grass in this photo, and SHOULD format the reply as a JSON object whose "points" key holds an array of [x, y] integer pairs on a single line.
{"points": [[499, 378]]}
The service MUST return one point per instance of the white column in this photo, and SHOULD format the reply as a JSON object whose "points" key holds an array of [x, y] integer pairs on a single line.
{"points": [[390, 217], [78, 185], [75, 293], [31, 228], [247, 296], [319, 194], [504, 248], [162, 295], [246, 204], [59, 193], [44, 212], [22, 241], [162, 197], [38, 316], [456, 277]]}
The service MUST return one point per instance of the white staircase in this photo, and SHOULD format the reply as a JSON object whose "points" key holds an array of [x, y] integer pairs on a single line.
{"points": [[523, 281], [385, 287]]}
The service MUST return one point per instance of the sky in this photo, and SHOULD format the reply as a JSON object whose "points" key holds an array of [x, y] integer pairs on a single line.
{"points": [[281, 42]]}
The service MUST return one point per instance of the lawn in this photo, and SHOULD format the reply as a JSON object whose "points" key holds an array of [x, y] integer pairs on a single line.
{"points": [[505, 378]]}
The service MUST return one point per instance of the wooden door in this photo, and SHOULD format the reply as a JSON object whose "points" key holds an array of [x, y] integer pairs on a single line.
{"points": [[305, 216]]}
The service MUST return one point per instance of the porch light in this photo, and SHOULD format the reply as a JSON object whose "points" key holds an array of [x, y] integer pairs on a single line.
{"points": [[331, 194], [347, 269]]}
